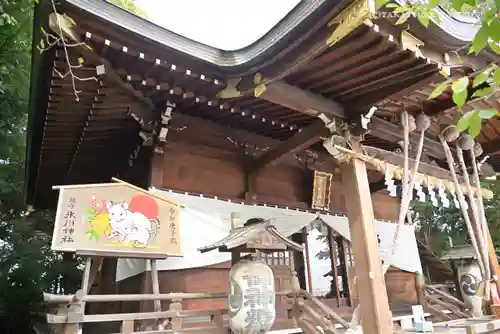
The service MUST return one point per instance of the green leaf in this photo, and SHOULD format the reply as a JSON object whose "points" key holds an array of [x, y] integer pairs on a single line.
{"points": [[460, 85], [424, 19], [42, 43], [496, 75], [483, 92], [459, 98], [480, 39], [463, 122], [391, 5], [494, 29], [431, 4], [80, 60], [494, 46], [487, 113], [435, 16], [403, 18], [474, 124], [70, 19], [457, 4], [438, 90], [480, 78], [380, 3]]}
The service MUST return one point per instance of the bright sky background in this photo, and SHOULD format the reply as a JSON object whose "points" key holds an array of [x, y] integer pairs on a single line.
{"points": [[225, 24]]}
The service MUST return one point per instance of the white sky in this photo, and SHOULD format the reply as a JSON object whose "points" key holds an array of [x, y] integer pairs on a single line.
{"points": [[224, 24]]}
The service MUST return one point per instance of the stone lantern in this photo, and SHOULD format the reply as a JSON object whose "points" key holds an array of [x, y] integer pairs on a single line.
{"points": [[469, 276]]}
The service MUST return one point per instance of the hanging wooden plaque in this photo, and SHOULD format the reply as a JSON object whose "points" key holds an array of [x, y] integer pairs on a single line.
{"points": [[116, 219], [321, 190]]}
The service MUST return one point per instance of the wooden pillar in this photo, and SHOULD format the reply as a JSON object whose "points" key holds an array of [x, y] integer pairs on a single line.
{"points": [[495, 268], [156, 173], [333, 262], [107, 285], [308, 261], [343, 267], [299, 261], [375, 313]]}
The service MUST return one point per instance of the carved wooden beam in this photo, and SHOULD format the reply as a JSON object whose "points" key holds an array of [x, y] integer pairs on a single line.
{"points": [[299, 142], [294, 98], [306, 102]]}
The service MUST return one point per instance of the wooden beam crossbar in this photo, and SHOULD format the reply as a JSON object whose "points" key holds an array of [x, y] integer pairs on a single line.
{"points": [[299, 142], [309, 103]]}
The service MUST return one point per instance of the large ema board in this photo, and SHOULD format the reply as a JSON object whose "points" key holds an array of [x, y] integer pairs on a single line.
{"points": [[116, 219]]}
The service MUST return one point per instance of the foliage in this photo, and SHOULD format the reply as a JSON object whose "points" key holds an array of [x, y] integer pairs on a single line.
{"points": [[437, 224], [485, 83], [27, 265], [130, 6]]}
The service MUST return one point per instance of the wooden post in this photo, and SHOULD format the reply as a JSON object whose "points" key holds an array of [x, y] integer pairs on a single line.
{"points": [[333, 262], [343, 265], [308, 261], [495, 268], [155, 283], [420, 289], [375, 313]]}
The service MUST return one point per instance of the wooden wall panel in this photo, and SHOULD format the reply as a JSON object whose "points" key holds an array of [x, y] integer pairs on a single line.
{"points": [[401, 288], [282, 185], [217, 172], [385, 207], [181, 169], [211, 171]]}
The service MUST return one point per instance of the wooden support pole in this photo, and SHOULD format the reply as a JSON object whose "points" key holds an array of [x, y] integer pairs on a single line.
{"points": [[333, 262], [495, 268], [308, 261], [375, 313]]}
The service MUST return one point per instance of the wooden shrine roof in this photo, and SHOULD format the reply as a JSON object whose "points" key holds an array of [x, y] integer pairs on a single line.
{"points": [[460, 252], [253, 234], [145, 66]]}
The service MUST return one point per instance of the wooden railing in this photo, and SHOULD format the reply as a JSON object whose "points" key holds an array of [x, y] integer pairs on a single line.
{"points": [[305, 310], [312, 315], [69, 316], [438, 300]]}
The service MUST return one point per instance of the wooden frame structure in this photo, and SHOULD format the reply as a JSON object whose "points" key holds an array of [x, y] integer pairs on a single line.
{"points": [[155, 98]]}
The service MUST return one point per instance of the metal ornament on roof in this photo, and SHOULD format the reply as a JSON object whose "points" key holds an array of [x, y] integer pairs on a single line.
{"points": [[251, 300]]}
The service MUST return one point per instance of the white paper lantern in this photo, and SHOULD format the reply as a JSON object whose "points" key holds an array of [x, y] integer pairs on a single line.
{"points": [[252, 297]]}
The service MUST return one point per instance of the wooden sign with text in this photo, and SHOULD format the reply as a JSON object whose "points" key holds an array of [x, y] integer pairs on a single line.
{"points": [[116, 219], [321, 190]]}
